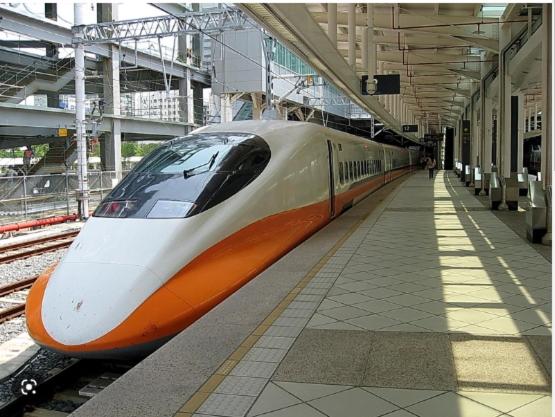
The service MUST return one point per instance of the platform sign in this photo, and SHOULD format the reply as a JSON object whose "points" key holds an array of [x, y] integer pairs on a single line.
{"points": [[62, 132], [410, 128], [385, 84]]}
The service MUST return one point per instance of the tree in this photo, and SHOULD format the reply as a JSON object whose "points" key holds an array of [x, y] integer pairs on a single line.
{"points": [[129, 149]]}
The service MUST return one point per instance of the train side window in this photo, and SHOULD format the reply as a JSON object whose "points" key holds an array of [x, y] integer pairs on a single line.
{"points": [[359, 169], [352, 171], [341, 172]]}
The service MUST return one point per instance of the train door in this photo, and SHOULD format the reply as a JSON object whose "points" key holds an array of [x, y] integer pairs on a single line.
{"points": [[331, 179]]}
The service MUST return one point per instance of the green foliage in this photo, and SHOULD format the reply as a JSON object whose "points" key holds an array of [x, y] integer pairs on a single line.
{"points": [[129, 149], [147, 148], [11, 153], [40, 150], [137, 149]]}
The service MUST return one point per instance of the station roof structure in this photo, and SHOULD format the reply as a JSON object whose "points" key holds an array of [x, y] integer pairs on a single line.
{"points": [[437, 49]]}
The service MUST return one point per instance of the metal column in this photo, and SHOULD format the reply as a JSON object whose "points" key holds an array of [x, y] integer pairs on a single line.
{"points": [[82, 169]]}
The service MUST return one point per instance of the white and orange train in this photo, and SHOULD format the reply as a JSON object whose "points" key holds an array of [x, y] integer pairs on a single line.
{"points": [[193, 222]]}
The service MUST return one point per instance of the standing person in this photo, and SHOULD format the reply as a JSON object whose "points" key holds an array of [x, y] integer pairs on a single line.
{"points": [[431, 164]]}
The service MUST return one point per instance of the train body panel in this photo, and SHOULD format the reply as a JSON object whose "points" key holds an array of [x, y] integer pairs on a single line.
{"points": [[134, 281]]}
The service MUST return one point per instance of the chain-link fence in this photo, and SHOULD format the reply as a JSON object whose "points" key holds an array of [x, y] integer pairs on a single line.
{"points": [[37, 196]]}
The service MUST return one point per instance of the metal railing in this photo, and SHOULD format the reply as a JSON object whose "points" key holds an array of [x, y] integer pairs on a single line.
{"points": [[37, 196]]}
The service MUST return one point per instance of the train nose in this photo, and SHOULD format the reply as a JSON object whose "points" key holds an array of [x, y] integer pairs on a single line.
{"points": [[85, 300]]}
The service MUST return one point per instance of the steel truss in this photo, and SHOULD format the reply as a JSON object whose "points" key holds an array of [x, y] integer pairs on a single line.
{"points": [[156, 27]]}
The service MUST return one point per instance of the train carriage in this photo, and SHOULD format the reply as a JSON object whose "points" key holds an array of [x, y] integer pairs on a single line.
{"points": [[193, 222]]}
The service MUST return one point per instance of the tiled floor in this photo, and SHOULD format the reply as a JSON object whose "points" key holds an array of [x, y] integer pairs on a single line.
{"points": [[434, 309]]}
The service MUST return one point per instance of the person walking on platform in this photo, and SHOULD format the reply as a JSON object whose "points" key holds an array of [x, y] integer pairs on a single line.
{"points": [[431, 164]]}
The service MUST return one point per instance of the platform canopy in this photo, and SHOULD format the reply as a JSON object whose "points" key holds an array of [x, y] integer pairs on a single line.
{"points": [[436, 48]]}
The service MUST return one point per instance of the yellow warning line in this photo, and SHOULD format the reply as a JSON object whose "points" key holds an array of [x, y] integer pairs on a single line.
{"points": [[197, 399]]}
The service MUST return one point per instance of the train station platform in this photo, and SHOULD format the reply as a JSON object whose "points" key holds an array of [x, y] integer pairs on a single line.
{"points": [[417, 302]]}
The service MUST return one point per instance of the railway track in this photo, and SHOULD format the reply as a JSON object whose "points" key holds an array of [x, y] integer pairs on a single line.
{"points": [[34, 247], [14, 287], [10, 294], [62, 390]]}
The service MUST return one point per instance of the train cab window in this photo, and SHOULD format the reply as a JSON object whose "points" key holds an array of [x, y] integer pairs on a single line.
{"points": [[187, 176]]}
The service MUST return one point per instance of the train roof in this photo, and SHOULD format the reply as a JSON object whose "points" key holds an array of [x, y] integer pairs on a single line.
{"points": [[264, 127]]}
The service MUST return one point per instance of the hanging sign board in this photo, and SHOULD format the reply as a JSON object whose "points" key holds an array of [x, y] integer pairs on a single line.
{"points": [[385, 84]]}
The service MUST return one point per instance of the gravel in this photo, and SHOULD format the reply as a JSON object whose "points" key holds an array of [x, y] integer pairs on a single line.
{"points": [[16, 271], [12, 328], [28, 267]]}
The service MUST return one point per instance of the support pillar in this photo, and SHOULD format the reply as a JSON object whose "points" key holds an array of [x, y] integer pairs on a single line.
{"points": [[80, 133], [488, 134], [110, 150], [475, 140], [51, 12], [520, 132], [547, 122], [504, 113], [226, 108]]}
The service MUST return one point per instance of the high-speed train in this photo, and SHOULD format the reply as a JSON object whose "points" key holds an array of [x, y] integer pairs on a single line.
{"points": [[194, 221]]}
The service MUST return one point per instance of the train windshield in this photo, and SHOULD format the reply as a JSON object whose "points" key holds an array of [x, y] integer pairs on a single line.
{"points": [[187, 176]]}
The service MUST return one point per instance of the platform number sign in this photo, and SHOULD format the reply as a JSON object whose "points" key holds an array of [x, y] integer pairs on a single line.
{"points": [[410, 128]]}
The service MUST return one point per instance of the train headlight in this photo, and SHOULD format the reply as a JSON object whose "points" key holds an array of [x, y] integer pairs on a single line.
{"points": [[116, 208], [170, 209]]}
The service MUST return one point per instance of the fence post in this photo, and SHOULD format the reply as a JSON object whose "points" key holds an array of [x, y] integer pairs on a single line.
{"points": [[67, 192], [101, 172], [25, 196]]}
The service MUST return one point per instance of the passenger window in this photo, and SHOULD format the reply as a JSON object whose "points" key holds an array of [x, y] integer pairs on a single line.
{"points": [[341, 172]]}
